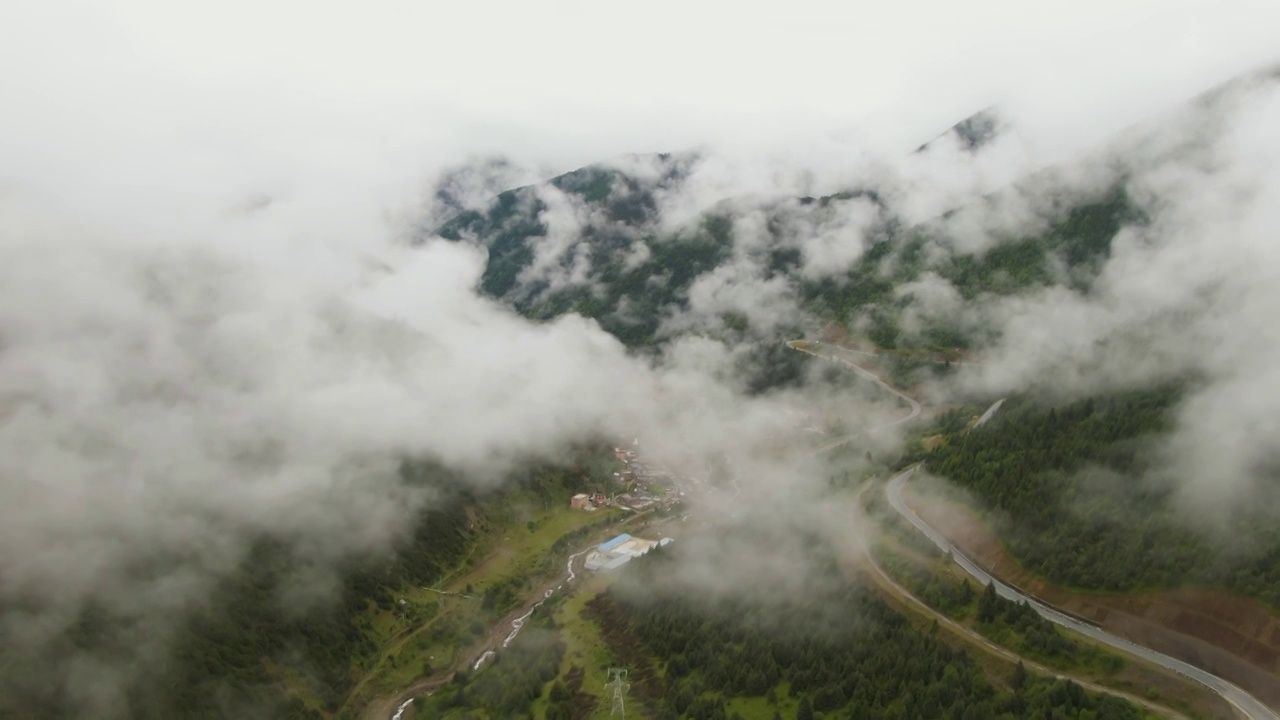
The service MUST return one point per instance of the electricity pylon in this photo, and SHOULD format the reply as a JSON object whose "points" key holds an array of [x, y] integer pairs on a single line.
{"points": [[618, 681]]}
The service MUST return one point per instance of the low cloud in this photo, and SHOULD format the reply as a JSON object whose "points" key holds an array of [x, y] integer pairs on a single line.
{"points": [[211, 328], [166, 400], [561, 257], [1187, 294]]}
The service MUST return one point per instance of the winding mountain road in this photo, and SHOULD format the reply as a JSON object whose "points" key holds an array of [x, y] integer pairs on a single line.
{"points": [[834, 353], [893, 587], [911, 402], [1242, 701]]}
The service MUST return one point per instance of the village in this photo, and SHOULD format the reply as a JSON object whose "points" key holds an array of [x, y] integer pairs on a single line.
{"points": [[640, 485]]}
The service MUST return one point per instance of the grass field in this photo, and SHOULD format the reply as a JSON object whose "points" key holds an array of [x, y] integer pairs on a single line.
{"points": [[584, 648], [431, 631]]}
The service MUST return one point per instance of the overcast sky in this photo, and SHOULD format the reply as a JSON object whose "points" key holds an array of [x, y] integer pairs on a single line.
{"points": [[406, 84]]}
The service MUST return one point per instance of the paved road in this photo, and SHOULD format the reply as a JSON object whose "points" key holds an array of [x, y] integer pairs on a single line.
{"points": [[894, 587], [1245, 703], [1242, 701], [842, 355]]}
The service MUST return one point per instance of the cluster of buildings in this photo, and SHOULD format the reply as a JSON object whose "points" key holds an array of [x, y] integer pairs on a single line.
{"points": [[634, 503], [639, 475], [638, 471], [592, 502], [635, 479], [626, 501], [611, 555]]}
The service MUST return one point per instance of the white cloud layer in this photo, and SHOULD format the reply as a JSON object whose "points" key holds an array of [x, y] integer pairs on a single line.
{"points": [[209, 328]]}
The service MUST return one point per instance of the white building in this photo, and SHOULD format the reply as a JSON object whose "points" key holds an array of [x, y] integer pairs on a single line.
{"points": [[615, 553]]}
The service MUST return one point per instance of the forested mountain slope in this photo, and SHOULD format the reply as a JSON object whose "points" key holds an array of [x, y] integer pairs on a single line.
{"points": [[1080, 485], [1074, 491], [841, 651], [264, 644], [617, 241], [595, 242], [624, 244], [838, 651]]}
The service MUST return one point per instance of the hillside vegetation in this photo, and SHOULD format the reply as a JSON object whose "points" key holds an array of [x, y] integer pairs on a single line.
{"points": [[621, 269], [1074, 489], [840, 652], [251, 651], [1076, 492]]}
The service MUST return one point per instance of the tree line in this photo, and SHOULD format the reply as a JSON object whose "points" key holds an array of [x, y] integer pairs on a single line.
{"points": [[839, 653], [1078, 495], [226, 658]]}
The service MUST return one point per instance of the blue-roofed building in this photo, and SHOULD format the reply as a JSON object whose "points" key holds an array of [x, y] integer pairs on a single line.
{"points": [[607, 546], [614, 563], [611, 555]]}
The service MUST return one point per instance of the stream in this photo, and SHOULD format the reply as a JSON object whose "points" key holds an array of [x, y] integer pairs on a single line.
{"points": [[400, 710], [519, 622]]}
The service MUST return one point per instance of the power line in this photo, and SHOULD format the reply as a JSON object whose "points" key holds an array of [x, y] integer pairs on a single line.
{"points": [[618, 681]]}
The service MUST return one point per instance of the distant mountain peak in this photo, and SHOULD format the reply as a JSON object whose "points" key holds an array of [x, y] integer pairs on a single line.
{"points": [[973, 132]]}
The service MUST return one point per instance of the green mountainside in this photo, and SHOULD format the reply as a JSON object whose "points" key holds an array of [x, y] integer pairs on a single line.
{"points": [[1069, 484], [251, 652], [634, 271], [1072, 489], [639, 275], [837, 652], [1130, 539]]}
